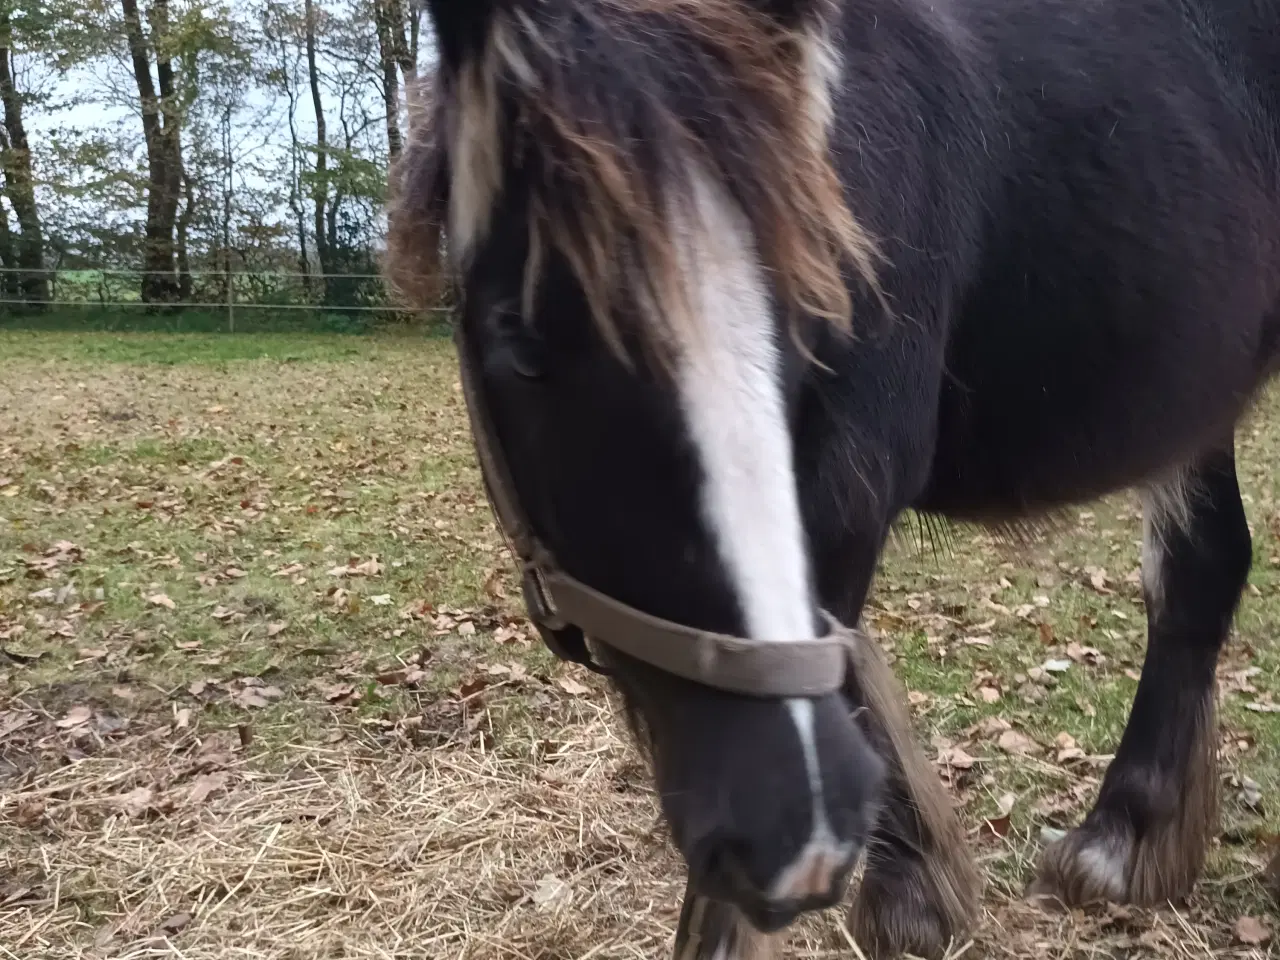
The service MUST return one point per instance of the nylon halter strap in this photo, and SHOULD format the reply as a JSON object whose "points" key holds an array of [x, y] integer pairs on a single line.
{"points": [[567, 611]]}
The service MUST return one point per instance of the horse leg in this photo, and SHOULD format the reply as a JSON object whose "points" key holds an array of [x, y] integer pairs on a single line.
{"points": [[714, 930], [921, 889], [1145, 840]]}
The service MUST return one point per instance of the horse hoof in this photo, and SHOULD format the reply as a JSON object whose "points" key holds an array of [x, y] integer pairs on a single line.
{"points": [[1102, 859], [899, 910], [1096, 863], [1088, 865]]}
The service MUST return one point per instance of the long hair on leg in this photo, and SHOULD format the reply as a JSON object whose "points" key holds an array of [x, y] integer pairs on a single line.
{"points": [[921, 889]]}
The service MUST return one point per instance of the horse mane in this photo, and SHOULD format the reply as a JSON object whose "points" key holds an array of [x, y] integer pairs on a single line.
{"points": [[606, 112]]}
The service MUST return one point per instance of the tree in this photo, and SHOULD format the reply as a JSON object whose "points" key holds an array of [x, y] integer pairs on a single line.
{"points": [[320, 183], [27, 249], [161, 127], [10, 286]]}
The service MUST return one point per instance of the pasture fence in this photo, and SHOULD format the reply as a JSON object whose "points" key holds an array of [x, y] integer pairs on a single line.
{"points": [[204, 300]]}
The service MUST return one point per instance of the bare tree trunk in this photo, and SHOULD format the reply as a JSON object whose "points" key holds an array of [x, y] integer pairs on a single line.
{"points": [[388, 17], [158, 281], [295, 180], [320, 190], [228, 190], [9, 286], [171, 126], [184, 229], [19, 182], [409, 53]]}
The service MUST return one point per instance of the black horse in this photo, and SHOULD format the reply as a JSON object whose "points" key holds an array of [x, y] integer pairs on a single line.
{"points": [[743, 280]]}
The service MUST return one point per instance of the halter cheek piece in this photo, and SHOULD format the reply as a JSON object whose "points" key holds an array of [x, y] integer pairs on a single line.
{"points": [[567, 611]]}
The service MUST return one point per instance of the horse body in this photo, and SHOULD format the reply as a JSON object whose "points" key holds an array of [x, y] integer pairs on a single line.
{"points": [[1081, 214], [1076, 209]]}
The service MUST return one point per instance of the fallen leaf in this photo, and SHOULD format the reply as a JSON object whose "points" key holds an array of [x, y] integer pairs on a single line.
{"points": [[989, 694], [1056, 666], [370, 568], [30, 812], [255, 696], [75, 716], [1251, 794], [1068, 749], [1082, 654], [175, 924], [403, 676], [137, 801], [551, 891], [573, 687], [161, 600], [1251, 931], [988, 727], [1098, 580], [999, 826], [13, 720], [1019, 744], [381, 600], [956, 758], [274, 629], [336, 692], [14, 892], [206, 784], [471, 687]]}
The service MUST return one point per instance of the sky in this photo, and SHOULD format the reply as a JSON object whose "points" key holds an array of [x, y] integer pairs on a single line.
{"points": [[260, 128]]}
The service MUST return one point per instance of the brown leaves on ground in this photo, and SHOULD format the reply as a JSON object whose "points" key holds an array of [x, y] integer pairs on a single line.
{"points": [[358, 568], [206, 785], [1011, 741], [252, 693], [143, 801], [267, 484], [75, 717], [573, 687], [1252, 931]]}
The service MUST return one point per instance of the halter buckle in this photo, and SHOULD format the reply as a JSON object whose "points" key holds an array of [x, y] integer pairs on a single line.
{"points": [[565, 640]]}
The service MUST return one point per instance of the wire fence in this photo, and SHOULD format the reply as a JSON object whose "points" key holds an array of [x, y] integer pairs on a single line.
{"points": [[203, 299]]}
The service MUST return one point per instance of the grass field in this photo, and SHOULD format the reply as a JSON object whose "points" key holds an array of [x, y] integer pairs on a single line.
{"points": [[266, 690]]}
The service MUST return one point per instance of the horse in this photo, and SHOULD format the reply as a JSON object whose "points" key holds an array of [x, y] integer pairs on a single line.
{"points": [[740, 283]]}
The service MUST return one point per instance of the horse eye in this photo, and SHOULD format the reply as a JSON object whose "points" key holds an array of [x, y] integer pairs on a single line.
{"points": [[519, 344], [528, 359]]}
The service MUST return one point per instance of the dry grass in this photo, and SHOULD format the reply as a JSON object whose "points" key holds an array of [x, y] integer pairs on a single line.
{"points": [[488, 807], [182, 845], [354, 850]]}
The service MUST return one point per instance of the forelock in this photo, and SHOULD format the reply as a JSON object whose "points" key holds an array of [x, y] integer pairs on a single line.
{"points": [[606, 113]]}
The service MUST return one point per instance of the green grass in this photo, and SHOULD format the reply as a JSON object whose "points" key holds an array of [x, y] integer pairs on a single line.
{"points": [[212, 486], [249, 318]]}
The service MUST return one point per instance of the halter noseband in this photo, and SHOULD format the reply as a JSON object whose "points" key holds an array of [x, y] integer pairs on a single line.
{"points": [[567, 611]]}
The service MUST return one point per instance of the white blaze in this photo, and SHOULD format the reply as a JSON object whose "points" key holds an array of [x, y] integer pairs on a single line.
{"points": [[730, 382]]}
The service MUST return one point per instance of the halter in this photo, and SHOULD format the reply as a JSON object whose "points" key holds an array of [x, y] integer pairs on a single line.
{"points": [[567, 611]]}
